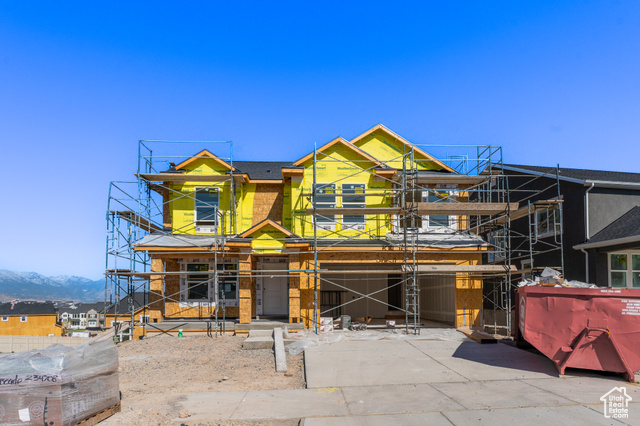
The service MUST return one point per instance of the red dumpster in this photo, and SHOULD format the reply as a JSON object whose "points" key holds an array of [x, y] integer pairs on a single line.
{"points": [[591, 328]]}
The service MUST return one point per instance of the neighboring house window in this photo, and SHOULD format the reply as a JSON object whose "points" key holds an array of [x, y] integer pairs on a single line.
{"points": [[548, 221], [23, 319], [92, 324], [326, 200], [353, 201], [65, 315], [498, 242], [207, 201], [83, 315], [144, 319], [624, 270], [93, 315], [5, 318]]}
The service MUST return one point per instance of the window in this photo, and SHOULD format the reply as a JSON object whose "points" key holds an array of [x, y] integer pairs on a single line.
{"points": [[5, 318], [23, 319], [206, 209], [326, 199], [350, 221], [228, 283], [92, 323], [197, 285], [144, 319], [548, 221], [624, 270], [93, 315], [83, 315], [112, 323], [438, 222], [498, 247]]}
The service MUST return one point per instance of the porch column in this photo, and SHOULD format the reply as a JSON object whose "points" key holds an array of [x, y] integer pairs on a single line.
{"points": [[156, 295], [244, 264], [294, 288]]}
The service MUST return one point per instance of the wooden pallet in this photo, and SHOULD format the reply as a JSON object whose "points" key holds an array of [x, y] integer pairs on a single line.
{"points": [[478, 336], [98, 417]]}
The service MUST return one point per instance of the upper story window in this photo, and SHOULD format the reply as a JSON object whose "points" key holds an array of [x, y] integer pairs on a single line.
{"points": [[430, 223], [93, 315], [357, 200], [624, 270], [5, 318], [548, 221], [207, 202], [498, 242], [23, 319], [326, 199]]}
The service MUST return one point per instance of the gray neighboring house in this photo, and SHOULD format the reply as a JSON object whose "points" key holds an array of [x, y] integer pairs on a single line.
{"points": [[601, 222], [80, 316]]}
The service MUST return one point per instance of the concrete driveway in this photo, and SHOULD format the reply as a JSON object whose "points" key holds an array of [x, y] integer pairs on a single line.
{"points": [[418, 381]]}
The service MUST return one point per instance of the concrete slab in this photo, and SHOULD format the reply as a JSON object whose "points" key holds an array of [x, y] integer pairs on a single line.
{"points": [[530, 416], [291, 404], [499, 394], [397, 399], [257, 343], [585, 390], [634, 412], [260, 333], [414, 419], [475, 361], [374, 363], [210, 405], [281, 357]]}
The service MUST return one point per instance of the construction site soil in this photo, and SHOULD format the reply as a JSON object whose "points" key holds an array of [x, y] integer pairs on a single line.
{"points": [[155, 373]]}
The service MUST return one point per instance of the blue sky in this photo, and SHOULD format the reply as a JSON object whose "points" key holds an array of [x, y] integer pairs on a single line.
{"points": [[81, 82]]}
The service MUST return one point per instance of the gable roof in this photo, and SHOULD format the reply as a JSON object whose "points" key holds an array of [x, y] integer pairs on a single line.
{"points": [[344, 142], [576, 175], [401, 140], [624, 230], [140, 300], [28, 308], [203, 154], [264, 223], [262, 170]]}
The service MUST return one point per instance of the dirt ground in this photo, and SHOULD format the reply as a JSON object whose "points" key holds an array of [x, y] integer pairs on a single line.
{"points": [[155, 372]]}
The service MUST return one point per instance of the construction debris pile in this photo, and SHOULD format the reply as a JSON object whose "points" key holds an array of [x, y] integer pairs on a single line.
{"points": [[59, 385], [552, 278]]}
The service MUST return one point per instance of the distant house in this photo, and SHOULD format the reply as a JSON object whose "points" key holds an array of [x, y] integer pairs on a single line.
{"points": [[81, 316], [29, 319], [600, 230], [120, 313]]}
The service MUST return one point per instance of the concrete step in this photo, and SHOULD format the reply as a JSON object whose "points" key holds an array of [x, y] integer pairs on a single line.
{"points": [[260, 333], [268, 325], [258, 343]]}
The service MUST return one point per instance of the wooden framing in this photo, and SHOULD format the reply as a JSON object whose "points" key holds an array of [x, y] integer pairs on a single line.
{"points": [[182, 177], [345, 143], [204, 154]]}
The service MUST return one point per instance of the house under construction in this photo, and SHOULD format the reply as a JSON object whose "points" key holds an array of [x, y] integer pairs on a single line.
{"points": [[375, 226]]}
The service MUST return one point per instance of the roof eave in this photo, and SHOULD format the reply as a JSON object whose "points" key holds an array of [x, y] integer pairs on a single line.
{"points": [[608, 243]]}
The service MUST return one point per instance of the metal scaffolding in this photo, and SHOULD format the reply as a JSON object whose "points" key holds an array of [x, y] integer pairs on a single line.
{"points": [[475, 190]]}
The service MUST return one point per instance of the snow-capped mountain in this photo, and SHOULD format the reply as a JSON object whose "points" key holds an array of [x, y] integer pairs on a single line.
{"points": [[34, 286]]}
